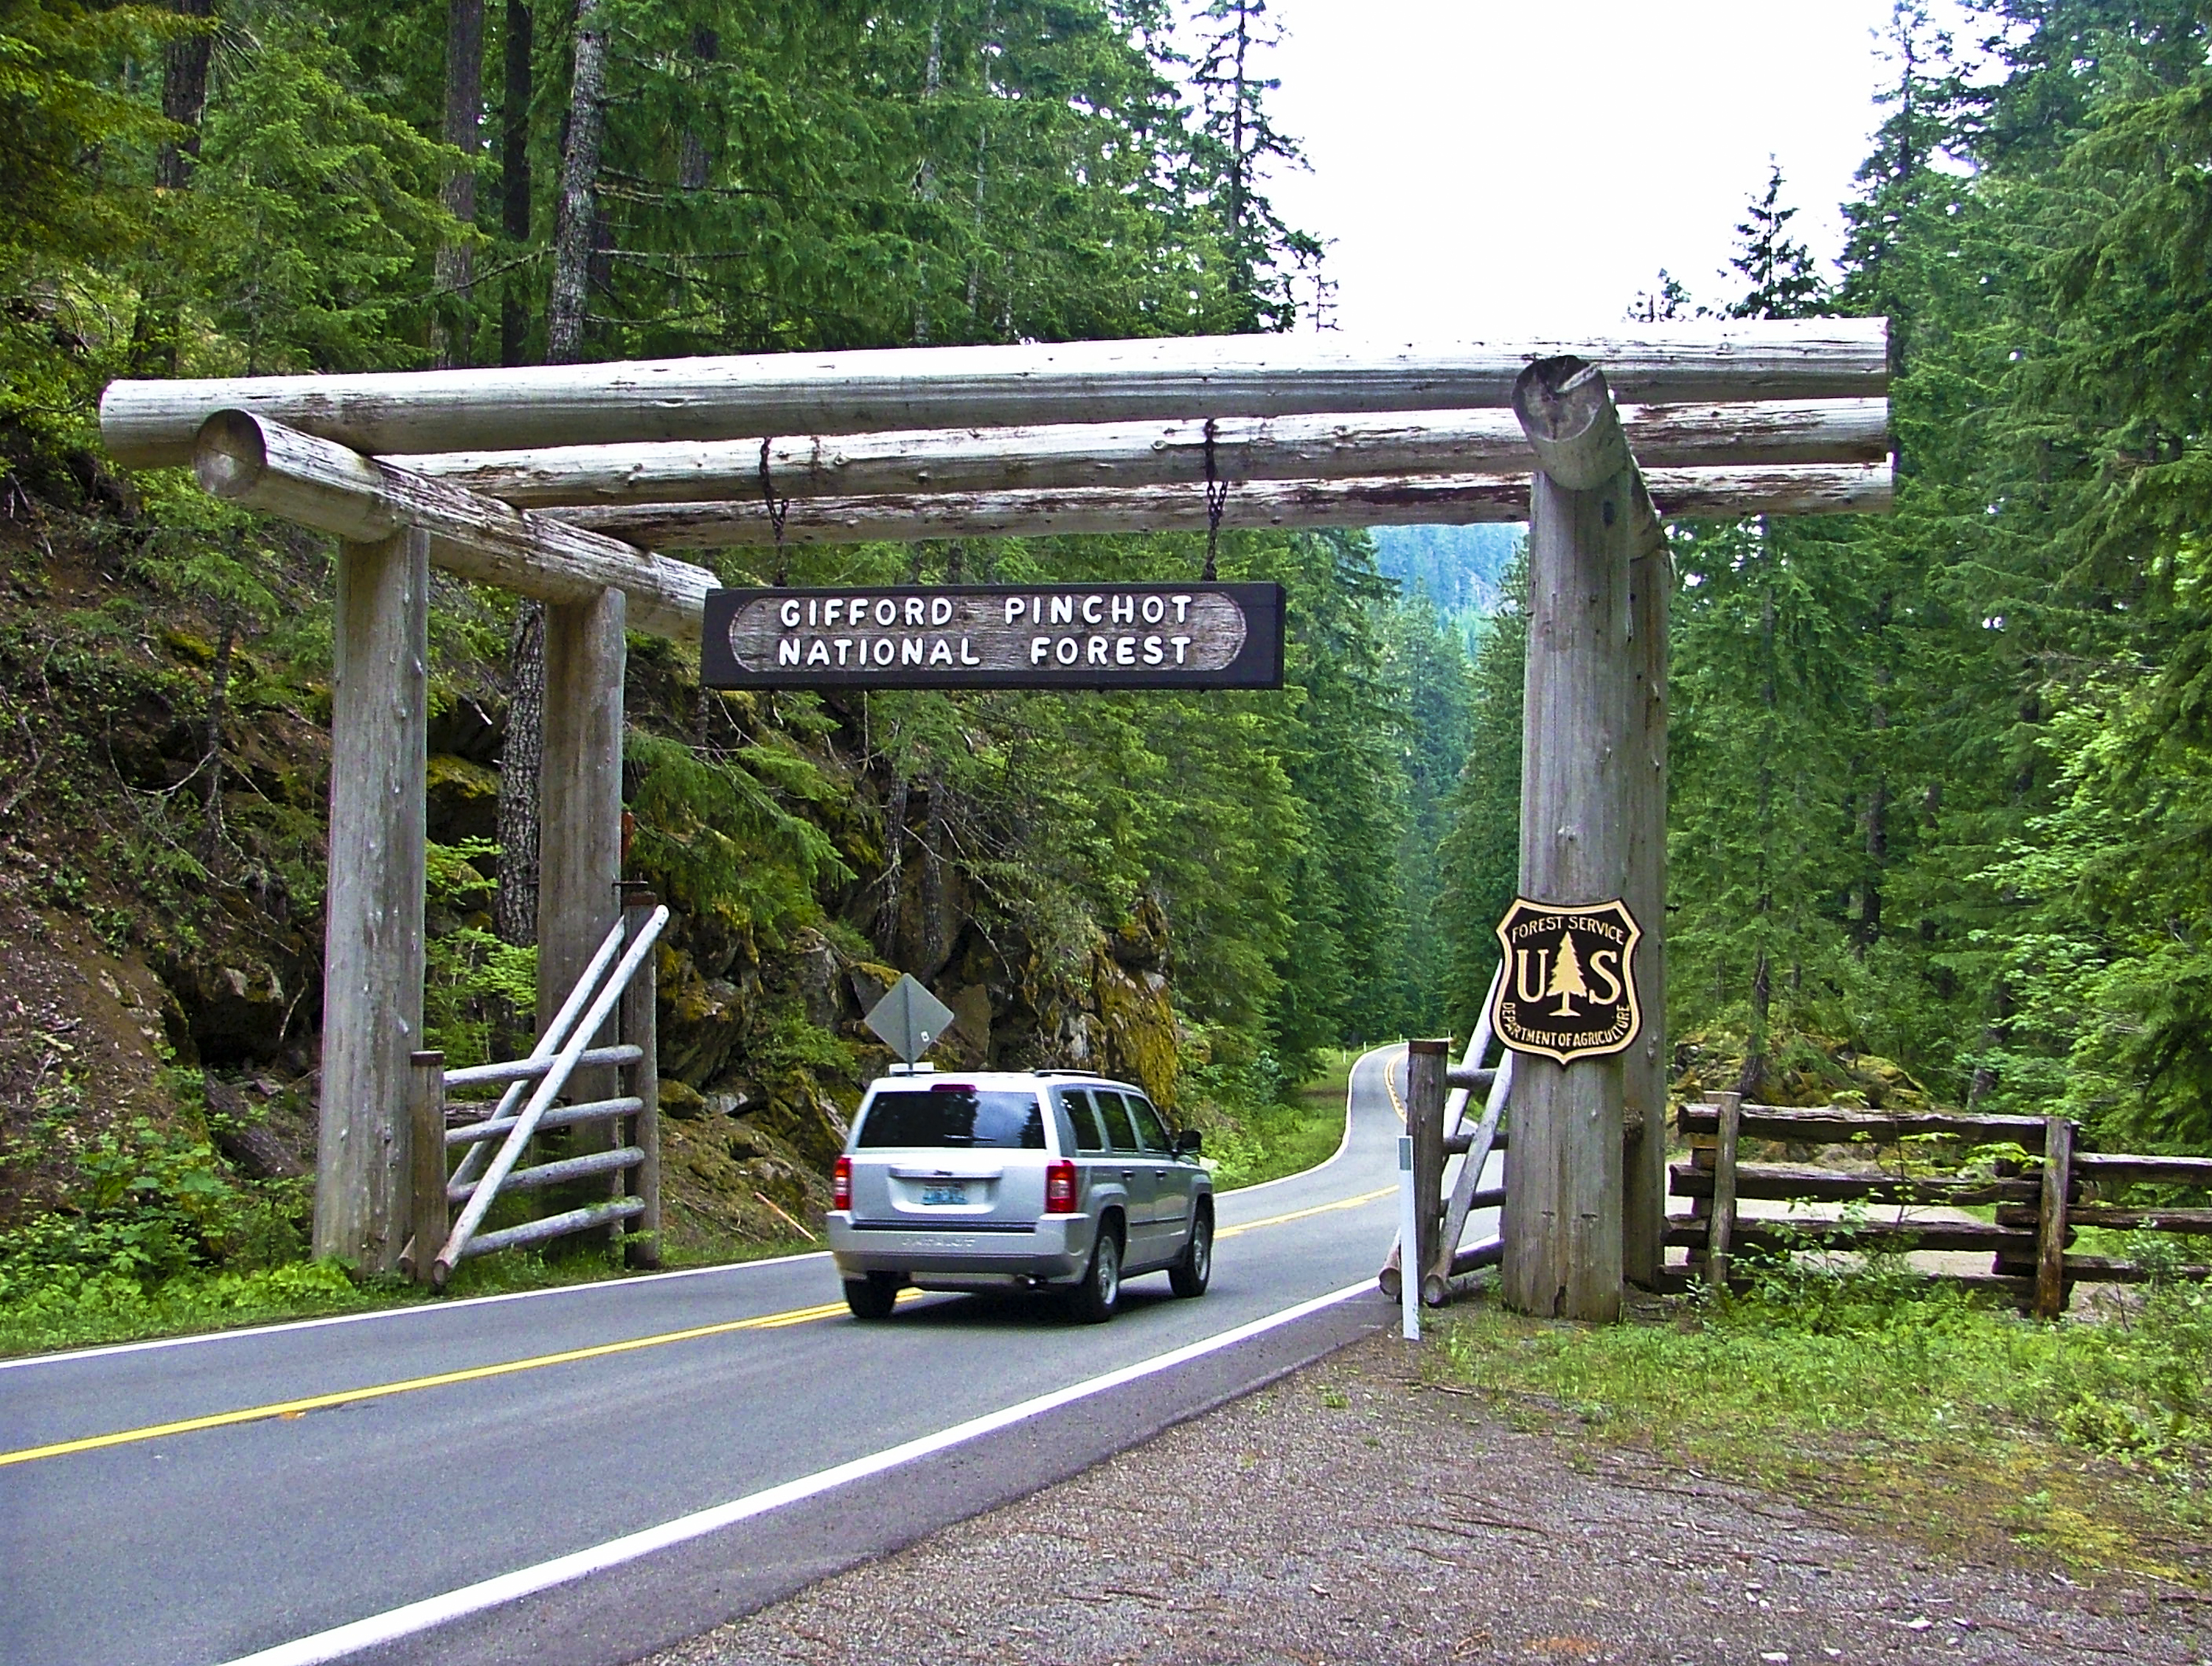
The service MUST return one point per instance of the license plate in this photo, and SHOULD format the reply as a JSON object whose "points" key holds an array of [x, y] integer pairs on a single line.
{"points": [[945, 1191]]}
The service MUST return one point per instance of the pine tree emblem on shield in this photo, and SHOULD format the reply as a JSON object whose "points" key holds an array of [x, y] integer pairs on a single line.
{"points": [[1569, 987]]}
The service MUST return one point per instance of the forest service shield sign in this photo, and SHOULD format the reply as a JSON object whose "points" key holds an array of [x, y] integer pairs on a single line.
{"points": [[1569, 991]]}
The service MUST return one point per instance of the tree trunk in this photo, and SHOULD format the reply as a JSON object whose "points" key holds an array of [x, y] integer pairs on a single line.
{"points": [[694, 166], [1754, 1045], [936, 945], [580, 171], [456, 262], [184, 96], [1240, 251], [925, 183], [514, 904], [211, 758], [894, 879], [987, 51], [514, 174]]}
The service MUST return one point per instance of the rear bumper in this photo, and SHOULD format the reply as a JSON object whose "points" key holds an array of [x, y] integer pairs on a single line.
{"points": [[1056, 1249]]}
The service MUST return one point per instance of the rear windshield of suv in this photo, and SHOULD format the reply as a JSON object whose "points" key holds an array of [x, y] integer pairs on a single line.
{"points": [[950, 1115]]}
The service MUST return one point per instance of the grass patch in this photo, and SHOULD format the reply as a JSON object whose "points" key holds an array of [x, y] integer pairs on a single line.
{"points": [[1968, 1428], [67, 1307], [1287, 1135]]}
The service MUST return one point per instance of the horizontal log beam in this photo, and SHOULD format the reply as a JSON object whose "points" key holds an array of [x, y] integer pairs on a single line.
{"points": [[531, 1070], [149, 424], [2014, 1292], [1096, 454], [2107, 1269], [263, 464], [2122, 1168], [1488, 1253], [2189, 1221], [1777, 1181], [1767, 1232], [554, 1226], [595, 1110], [1441, 500], [1828, 1125], [553, 1174]]}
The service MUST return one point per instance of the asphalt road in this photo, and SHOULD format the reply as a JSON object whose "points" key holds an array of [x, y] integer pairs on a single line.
{"points": [[595, 1472]]}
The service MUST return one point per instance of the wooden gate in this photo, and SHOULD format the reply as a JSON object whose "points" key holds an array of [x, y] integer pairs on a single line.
{"points": [[617, 982]]}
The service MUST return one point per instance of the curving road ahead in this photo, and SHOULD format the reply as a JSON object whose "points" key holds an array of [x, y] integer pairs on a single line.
{"points": [[584, 1474]]}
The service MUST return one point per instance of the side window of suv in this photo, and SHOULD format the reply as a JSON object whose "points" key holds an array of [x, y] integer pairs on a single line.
{"points": [[1151, 1133], [1089, 1136], [1116, 1119]]}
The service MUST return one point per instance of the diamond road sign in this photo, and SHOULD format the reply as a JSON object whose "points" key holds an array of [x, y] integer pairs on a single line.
{"points": [[909, 1018]]}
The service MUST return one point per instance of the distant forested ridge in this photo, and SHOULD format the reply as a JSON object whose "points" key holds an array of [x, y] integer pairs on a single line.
{"points": [[1200, 892], [1460, 571], [1942, 780]]}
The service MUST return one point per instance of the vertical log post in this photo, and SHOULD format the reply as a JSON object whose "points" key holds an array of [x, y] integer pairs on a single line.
{"points": [[1564, 1194], [428, 1219], [1723, 1224], [2051, 1225], [640, 1028], [1426, 1063], [580, 818], [372, 943], [1643, 1087]]}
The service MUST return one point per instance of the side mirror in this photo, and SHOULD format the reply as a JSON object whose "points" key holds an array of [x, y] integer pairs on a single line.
{"points": [[1187, 1143]]}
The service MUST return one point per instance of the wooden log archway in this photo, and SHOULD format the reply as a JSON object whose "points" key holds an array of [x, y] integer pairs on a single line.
{"points": [[566, 484]]}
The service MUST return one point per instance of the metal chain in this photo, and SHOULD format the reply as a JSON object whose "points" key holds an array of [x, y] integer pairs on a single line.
{"points": [[776, 512], [1217, 499]]}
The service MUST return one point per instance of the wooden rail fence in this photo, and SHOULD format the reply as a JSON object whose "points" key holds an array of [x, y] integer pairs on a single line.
{"points": [[2039, 1199], [617, 984]]}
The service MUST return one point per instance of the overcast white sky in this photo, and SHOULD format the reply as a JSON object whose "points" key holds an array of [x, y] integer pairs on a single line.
{"points": [[1508, 165]]}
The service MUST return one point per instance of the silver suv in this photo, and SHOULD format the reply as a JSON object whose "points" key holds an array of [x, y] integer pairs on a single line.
{"points": [[1037, 1180]]}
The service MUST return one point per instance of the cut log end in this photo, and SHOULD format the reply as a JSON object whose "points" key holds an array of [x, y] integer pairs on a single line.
{"points": [[1567, 411], [229, 458]]}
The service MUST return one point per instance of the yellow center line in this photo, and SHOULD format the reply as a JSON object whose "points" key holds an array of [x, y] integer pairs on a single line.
{"points": [[1390, 1082], [1300, 1214], [381, 1390], [289, 1408]]}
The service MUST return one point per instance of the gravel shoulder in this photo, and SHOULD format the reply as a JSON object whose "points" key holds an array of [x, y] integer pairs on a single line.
{"points": [[1351, 1514]]}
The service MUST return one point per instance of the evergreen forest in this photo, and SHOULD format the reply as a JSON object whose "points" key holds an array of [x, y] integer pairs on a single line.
{"points": [[1941, 817], [1940, 813]]}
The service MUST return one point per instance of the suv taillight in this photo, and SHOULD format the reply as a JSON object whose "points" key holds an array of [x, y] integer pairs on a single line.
{"points": [[1059, 1189], [840, 1184]]}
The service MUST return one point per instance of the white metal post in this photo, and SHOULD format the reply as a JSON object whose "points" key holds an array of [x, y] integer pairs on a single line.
{"points": [[1409, 1277]]}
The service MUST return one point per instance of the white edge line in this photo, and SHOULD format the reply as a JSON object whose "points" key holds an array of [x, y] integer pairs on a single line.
{"points": [[414, 1308], [112, 1349], [416, 1617]]}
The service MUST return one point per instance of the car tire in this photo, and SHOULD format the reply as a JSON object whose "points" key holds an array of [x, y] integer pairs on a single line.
{"points": [[1093, 1301], [1191, 1269], [873, 1297]]}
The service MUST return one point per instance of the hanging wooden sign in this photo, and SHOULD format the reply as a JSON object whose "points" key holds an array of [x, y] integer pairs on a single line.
{"points": [[1569, 990], [997, 636]]}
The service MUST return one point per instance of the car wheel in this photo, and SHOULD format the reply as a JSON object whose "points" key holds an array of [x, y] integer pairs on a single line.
{"points": [[1188, 1275], [873, 1297], [1093, 1301]]}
